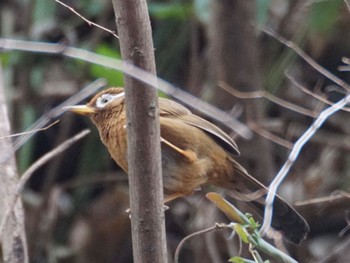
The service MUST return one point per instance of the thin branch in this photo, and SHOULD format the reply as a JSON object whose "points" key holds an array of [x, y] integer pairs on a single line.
{"points": [[307, 91], [270, 136], [331, 198], [200, 232], [135, 72], [347, 219], [268, 96], [339, 249], [90, 23], [307, 58], [29, 132], [54, 113], [324, 115], [40, 162]]}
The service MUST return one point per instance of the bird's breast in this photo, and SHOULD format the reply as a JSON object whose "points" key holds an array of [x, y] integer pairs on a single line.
{"points": [[114, 136]]}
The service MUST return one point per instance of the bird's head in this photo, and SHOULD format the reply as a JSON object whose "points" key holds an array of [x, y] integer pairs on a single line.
{"points": [[102, 106]]}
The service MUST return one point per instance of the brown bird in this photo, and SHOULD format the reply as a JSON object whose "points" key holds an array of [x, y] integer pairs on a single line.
{"points": [[194, 152]]}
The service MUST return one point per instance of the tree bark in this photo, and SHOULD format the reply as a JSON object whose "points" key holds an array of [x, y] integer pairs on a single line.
{"points": [[145, 179], [13, 239]]}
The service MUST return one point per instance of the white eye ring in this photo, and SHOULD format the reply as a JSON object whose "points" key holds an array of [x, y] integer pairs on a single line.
{"points": [[105, 99]]}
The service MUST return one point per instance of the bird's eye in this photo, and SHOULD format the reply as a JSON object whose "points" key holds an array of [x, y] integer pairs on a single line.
{"points": [[105, 99]]}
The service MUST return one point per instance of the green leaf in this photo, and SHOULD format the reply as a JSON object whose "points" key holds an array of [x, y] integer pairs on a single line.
{"points": [[11, 58], [113, 77], [241, 233], [254, 224]]}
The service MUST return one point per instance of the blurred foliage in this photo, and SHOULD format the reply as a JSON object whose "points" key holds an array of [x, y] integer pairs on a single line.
{"points": [[262, 11], [324, 15], [178, 11], [113, 78]]}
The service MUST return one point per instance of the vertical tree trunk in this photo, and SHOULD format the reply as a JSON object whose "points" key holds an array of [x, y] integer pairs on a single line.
{"points": [[235, 60], [145, 180], [13, 239]]}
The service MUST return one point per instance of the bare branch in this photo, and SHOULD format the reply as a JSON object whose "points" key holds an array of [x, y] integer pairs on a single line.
{"points": [[333, 197], [268, 96], [52, 114], [43, 160], [307, 91], [135, 72], [87, 20], [32, 131], [307, 58], [200, 232], [270, 136]]}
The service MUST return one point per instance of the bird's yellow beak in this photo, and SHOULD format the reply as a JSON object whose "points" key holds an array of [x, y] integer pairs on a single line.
{"points": [[81, 109]]}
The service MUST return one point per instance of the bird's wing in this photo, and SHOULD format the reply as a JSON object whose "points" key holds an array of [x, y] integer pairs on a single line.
{"points": [[171, 109]]}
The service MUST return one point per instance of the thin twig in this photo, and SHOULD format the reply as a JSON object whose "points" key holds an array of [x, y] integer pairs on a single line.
{"points": [[339, 249], [324, 115], [307, 58], [54, 113], [40, 162], [90, 23], [263, 94], [347, 228], [29, 132], [316, 96], [270, 136], [137, 73], [331, 198], [200, 232]]}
